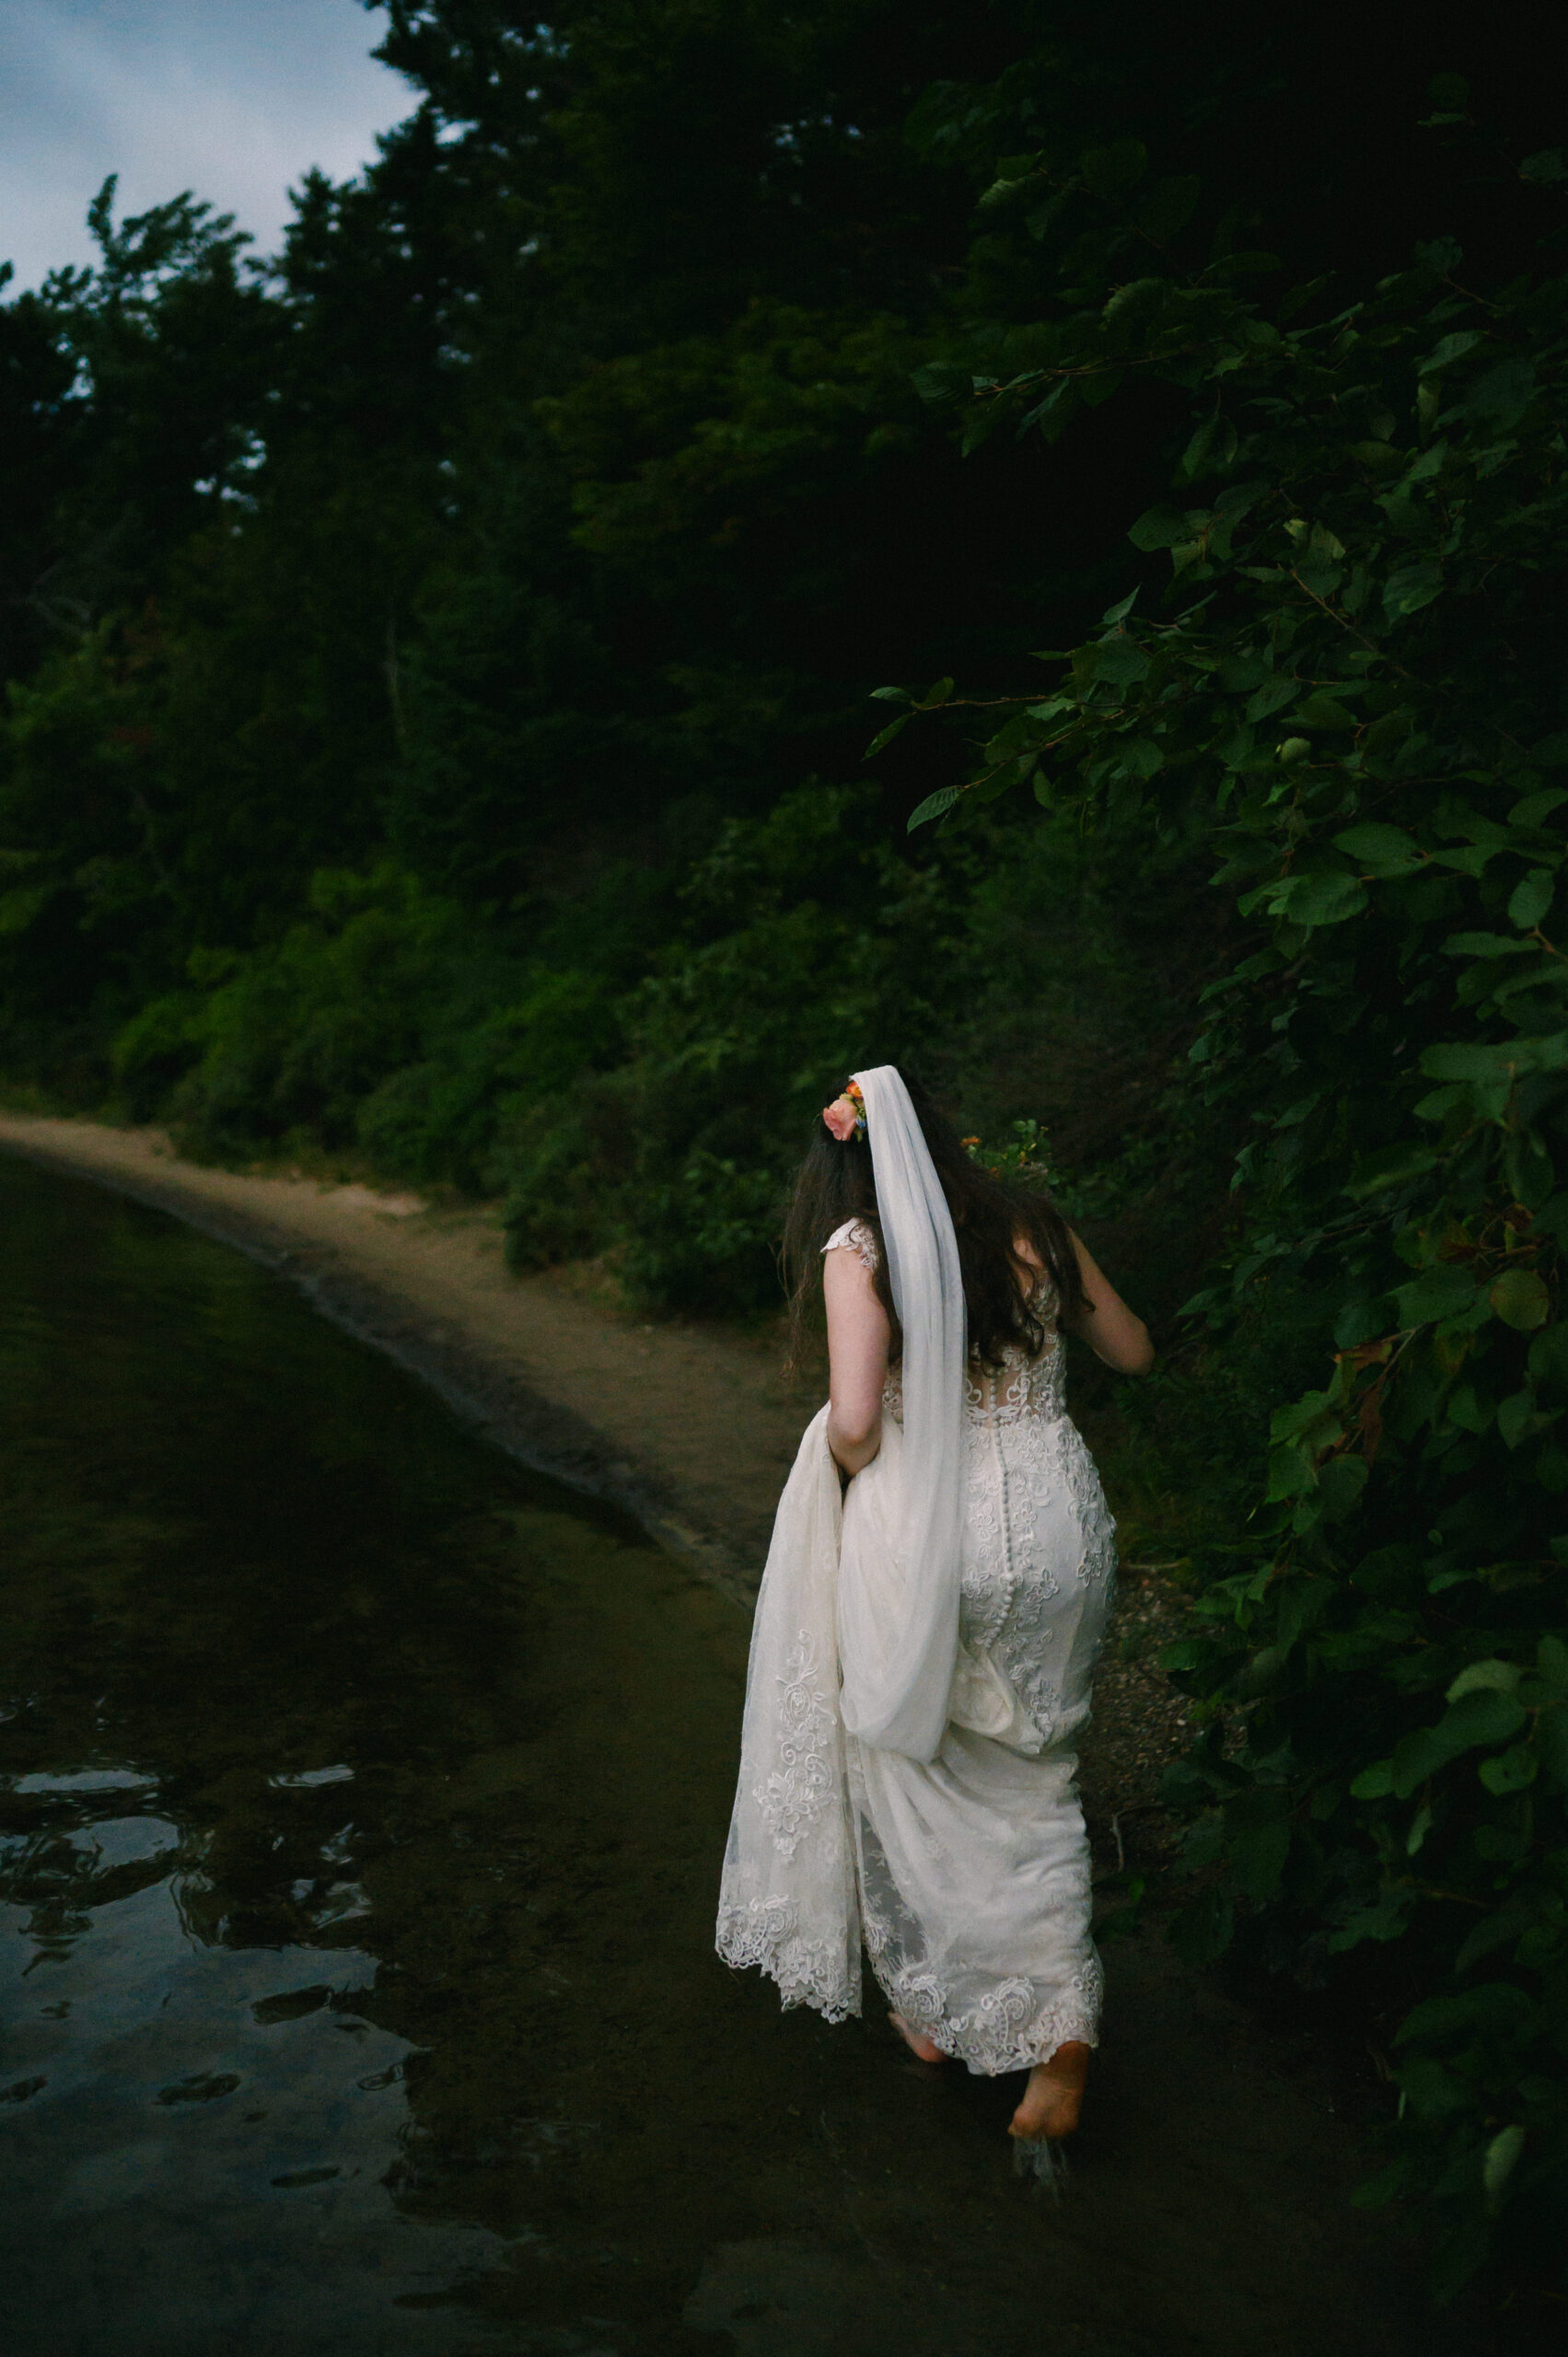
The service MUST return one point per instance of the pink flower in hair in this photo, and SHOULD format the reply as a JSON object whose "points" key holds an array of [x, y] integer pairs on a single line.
{"points": [[845, 1117]]}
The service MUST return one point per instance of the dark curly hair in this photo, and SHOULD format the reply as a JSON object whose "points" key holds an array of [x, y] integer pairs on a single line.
{"points": [[990, 1217]]}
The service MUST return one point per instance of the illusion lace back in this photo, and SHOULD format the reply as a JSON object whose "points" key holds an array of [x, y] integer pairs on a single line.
{"points": [[970, 1870]]}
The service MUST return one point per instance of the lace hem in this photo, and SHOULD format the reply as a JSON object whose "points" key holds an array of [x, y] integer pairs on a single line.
{"points": [[1008, 2028], [765, 1933]]}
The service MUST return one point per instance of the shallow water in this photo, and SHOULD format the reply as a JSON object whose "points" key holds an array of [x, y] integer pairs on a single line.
{"points": [[361, 1800]]}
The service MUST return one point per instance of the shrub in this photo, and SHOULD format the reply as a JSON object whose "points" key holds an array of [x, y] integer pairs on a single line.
{"points": [[1355, 680]]}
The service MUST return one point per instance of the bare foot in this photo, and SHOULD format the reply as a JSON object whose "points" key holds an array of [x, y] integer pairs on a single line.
{"points": [[925, 2048], [1054, 2096]]}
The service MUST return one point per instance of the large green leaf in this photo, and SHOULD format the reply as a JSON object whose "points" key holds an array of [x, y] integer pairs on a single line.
{"points": [[1484, 1717], [1122, 662], [1499, 399], [1272, 696], [1412, 586], [1520, 1298], [1530, 901], [1450, 348], [1322, 710], [1511, 1770], [1160, 527], [1324, 895], [933, 806], [1495, 2009], [1381, 849], [1436, 1293], [1390, 1166]]}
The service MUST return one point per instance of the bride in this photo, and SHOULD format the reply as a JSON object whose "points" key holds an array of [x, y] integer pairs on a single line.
{"points": [[936, 1594]]}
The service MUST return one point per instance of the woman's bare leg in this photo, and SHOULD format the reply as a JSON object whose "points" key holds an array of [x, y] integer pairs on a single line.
{"points": [[1054, 2096]]}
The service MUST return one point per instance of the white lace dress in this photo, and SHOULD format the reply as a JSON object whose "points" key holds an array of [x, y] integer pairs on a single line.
{"points": [[970, 1873]]}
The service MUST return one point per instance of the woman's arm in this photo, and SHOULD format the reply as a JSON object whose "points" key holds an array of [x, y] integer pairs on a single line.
{"points": [[858, 1335], [1104, 1321]]}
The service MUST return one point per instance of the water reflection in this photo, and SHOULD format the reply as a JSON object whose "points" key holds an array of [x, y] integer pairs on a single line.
{"points": [[276, 1764], [361, 1802]]}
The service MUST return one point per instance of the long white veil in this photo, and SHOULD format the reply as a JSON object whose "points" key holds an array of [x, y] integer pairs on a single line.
{"points": [[857, 1621], [898, 1620]]}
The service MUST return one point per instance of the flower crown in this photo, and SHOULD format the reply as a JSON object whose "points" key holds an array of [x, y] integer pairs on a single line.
{"points": [[846, 1115]]}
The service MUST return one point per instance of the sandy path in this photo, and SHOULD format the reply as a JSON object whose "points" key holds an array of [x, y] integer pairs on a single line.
{"points": [[690, 1430]]}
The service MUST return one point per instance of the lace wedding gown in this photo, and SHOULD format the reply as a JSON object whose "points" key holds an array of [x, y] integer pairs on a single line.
{"points": [[966, 1877]]}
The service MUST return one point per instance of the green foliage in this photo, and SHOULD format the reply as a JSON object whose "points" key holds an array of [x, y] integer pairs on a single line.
{"points": [[801, 936], [650, 1105], [556, 473], [137, 390], [1348, 675], [377, 1024]]}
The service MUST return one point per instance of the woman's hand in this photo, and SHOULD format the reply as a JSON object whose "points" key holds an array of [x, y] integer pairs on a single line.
{"points": [[858, 1336], [1105, 1322]]}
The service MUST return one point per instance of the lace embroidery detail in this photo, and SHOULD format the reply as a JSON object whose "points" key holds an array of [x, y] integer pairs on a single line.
{"points": [[1011, 2026], [1016, 1603], [875, 1931], [1019, 1390], [1098, 1563], [791, 1798], [920, 1999], [987, 1573], [1022, 1448], [1021, 1385], [856, 1237], [1021, 1647], [765, 1933]]}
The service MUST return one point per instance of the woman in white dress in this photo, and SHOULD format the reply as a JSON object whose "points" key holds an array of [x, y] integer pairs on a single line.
{"points": [[937, 1591]]}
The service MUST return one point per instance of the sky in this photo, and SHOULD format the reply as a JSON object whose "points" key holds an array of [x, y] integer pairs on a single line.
{"points": [[232, 98]]}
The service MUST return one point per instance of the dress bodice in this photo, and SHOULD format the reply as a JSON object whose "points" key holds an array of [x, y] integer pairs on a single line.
{"points": [[1019, 1386], [1038, 1548]]}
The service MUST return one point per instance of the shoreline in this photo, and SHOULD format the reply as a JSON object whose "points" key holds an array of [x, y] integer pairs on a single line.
{"points": [[689, 1431], [623, 1413]]}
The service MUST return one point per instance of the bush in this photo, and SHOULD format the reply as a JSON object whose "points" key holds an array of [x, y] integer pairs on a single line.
{"points": [[807, 941], [388, 1021], [1355, 684]]}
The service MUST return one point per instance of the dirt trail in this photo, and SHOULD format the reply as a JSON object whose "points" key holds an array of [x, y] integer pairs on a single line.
{"points": [[690, 1430]]}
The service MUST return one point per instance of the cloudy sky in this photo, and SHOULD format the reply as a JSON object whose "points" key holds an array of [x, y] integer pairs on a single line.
{"points": [[234, 99]]}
